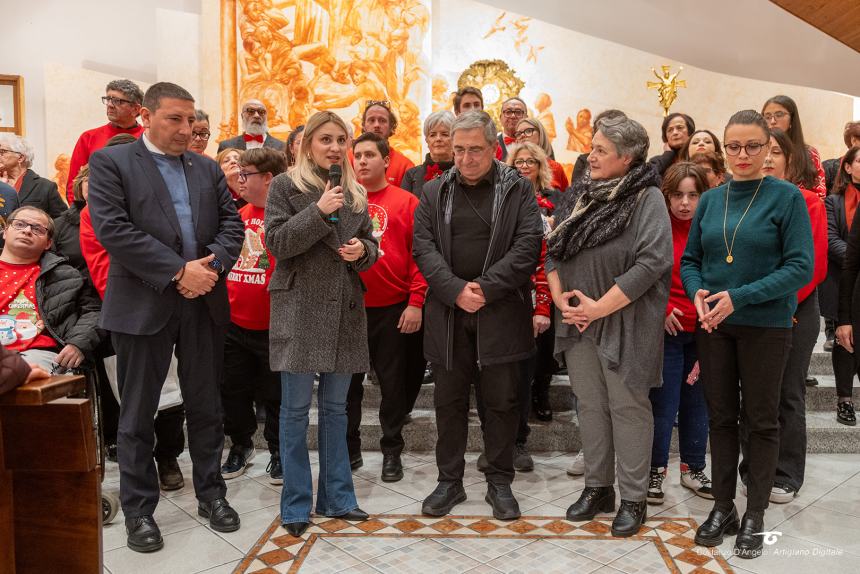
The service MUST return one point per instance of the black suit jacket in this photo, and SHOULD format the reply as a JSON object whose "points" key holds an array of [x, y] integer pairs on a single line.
{"points": [[238, 142], [134, 219], [42, 193]]}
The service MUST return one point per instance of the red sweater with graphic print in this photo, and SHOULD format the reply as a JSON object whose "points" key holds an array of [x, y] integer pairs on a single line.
{"points": [[395, 276]]}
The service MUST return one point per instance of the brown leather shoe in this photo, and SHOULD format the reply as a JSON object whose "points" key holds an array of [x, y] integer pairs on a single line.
{"points": [[169, 475]]}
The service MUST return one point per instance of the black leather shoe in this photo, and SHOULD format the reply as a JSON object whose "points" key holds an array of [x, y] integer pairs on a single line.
{"points": [[354, 515], [356, 462], [750, 540], [718, 524], [296, 528], [222, 517], [446, 496], [392, 468], [631, 515], [143, 534], [501, 498], [591, 501]]}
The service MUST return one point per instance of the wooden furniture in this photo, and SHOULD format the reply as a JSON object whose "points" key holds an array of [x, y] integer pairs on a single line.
{"points": [[50, 480]]}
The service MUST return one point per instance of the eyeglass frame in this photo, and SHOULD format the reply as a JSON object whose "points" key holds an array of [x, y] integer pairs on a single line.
{"points": [[116, 101], [5, 151], [525, 161], [262, 112], [37, 229], [777, 115], [199, 135], [514, 113], [474, 150], [243, 175], [532, 130], [744, 147]]}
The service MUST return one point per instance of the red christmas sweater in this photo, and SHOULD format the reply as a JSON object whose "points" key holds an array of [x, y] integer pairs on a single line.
{"points": [[248, 281], [96, 256], [818, 219], [90, 141], [395, 276], [677, 296]]}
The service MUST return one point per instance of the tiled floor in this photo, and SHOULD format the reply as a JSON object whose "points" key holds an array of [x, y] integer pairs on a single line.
{"points": [[820, 530]]}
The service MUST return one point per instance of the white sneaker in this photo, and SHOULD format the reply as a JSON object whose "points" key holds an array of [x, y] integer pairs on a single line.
{"points": [[782, 494], [697, 481], [577, 467]]}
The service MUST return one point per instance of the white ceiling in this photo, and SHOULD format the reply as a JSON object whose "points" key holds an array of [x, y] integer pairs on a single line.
{"points": [[747, 38]]}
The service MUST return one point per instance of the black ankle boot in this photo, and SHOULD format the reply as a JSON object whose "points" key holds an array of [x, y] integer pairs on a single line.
{"points": [[750, 541], [631, 515], [593, 499]]}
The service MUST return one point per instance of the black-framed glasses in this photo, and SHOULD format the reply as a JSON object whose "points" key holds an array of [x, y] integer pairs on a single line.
{"points": [[529, 162], [200, 135], [115, 101], [528, 132], [21, 225], [775, 116], [244, 175], [5, 151], [752, 148], [515, 113]]}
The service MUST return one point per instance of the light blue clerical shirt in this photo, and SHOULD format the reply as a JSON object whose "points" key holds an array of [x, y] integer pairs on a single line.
{"points": [[173, 172]]}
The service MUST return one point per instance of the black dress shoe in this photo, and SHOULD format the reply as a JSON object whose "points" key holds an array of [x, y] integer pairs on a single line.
{"points": [[446, 496], [718, 524], [356, 462], [631, 515], [392, 468], [354, 515], [591, 501], [222, 517], [750, 540], [501, 498], [296, 528], [143, 534]]}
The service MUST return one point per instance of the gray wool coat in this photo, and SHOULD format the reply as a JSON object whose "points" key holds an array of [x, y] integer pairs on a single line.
{"points": [[317, 323]]}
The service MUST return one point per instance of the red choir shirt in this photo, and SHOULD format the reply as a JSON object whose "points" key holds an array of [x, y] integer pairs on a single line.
{"points": [[559, 178], [248, 281], [820, 179], [21, 325], [543, 297], [398, 165], [395, 275], [677, 296], [90, 141], [818, 219], [96, 256]]}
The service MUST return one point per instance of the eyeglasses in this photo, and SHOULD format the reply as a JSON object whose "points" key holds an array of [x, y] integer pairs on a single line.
{"points": [[528, 132], [461, 151], [21, 225], [200, 135], [253, 111], [244, 175], [752, 149], [384, 103], [775, 116], [529, 162], [513, 113], [5, 151], [115, 101]]}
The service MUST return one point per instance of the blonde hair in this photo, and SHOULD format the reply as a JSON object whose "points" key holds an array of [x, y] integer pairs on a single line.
{"points": [[544, 173], [543, 141], [306, 176]]}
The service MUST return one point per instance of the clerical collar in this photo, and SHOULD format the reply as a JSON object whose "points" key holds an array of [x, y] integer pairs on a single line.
{"points": [[153, 148]]}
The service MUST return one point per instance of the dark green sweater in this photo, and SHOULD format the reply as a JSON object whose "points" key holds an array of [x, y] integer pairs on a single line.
{"points": [[773, 251]]}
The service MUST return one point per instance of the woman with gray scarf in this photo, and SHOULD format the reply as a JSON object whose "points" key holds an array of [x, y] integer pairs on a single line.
{"points": [[609, 267]]}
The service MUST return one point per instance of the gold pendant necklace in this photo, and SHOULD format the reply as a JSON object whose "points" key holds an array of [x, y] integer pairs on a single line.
{"points": [[729, 248]]}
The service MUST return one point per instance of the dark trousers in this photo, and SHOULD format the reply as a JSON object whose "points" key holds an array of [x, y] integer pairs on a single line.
{"points": [[755, 356], [791, 465], [109, 406], [247, 377], [142, 365], [845, 367], [497, 384], [524, 400], [398, 361]]}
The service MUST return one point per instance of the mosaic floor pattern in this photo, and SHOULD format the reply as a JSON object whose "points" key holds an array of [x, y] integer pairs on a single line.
{"points": [[402, 543]]}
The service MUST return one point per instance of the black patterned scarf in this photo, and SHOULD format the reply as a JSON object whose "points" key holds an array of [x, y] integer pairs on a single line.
{"points": [[596, 211]]}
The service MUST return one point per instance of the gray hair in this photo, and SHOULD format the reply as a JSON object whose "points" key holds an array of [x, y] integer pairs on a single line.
{"points": [[444, 117], [201, 116], [127, 88], [19, 145], [516, 99], [476, 120], [628, 136]]}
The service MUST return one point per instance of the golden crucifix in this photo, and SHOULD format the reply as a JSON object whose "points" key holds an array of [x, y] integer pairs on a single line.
{"points": [[667, 87]]}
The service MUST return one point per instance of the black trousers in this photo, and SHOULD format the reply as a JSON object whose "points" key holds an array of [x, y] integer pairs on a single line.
{"points": [[791, 465], [524, 400], [142, 365], [248, 377], [398, 361], [498, 387], [742, 368], [845, 366]]}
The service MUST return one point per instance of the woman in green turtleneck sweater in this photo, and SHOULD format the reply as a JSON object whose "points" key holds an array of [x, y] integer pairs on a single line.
{"points": [[749, 251]]}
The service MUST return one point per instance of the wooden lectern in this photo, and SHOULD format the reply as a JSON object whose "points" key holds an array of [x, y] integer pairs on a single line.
{"points": [[50, 480]]}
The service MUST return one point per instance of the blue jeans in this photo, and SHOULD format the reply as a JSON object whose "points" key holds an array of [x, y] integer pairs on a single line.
{"points": [[676, 397], [335, 491]]}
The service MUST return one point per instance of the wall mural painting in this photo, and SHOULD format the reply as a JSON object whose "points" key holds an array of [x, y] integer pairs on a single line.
{"points": [[497, 82], [304, 56], [579, 133]]}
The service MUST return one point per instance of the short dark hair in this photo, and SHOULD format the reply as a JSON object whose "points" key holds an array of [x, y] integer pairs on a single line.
{"points": [[381, 145], [392, 119], [49, 225], [458, 97], [266, 160], [685, 153], [842, 178], [288, 149], [691, 125], [516, 99], [127, 88], [748, 118], [156, 92], [120, 139], [852, 130]]}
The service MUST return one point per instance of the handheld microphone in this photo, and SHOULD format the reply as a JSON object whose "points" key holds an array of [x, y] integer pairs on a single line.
{"points": [[334, 175]]}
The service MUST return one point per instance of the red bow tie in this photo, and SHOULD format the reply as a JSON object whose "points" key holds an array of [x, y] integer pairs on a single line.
{"points": [[509, 140], [253, 138]]}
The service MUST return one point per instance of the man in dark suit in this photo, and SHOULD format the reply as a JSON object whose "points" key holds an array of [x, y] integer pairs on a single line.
{"points": [[171, 229], [256, 129], [16, 157]]}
